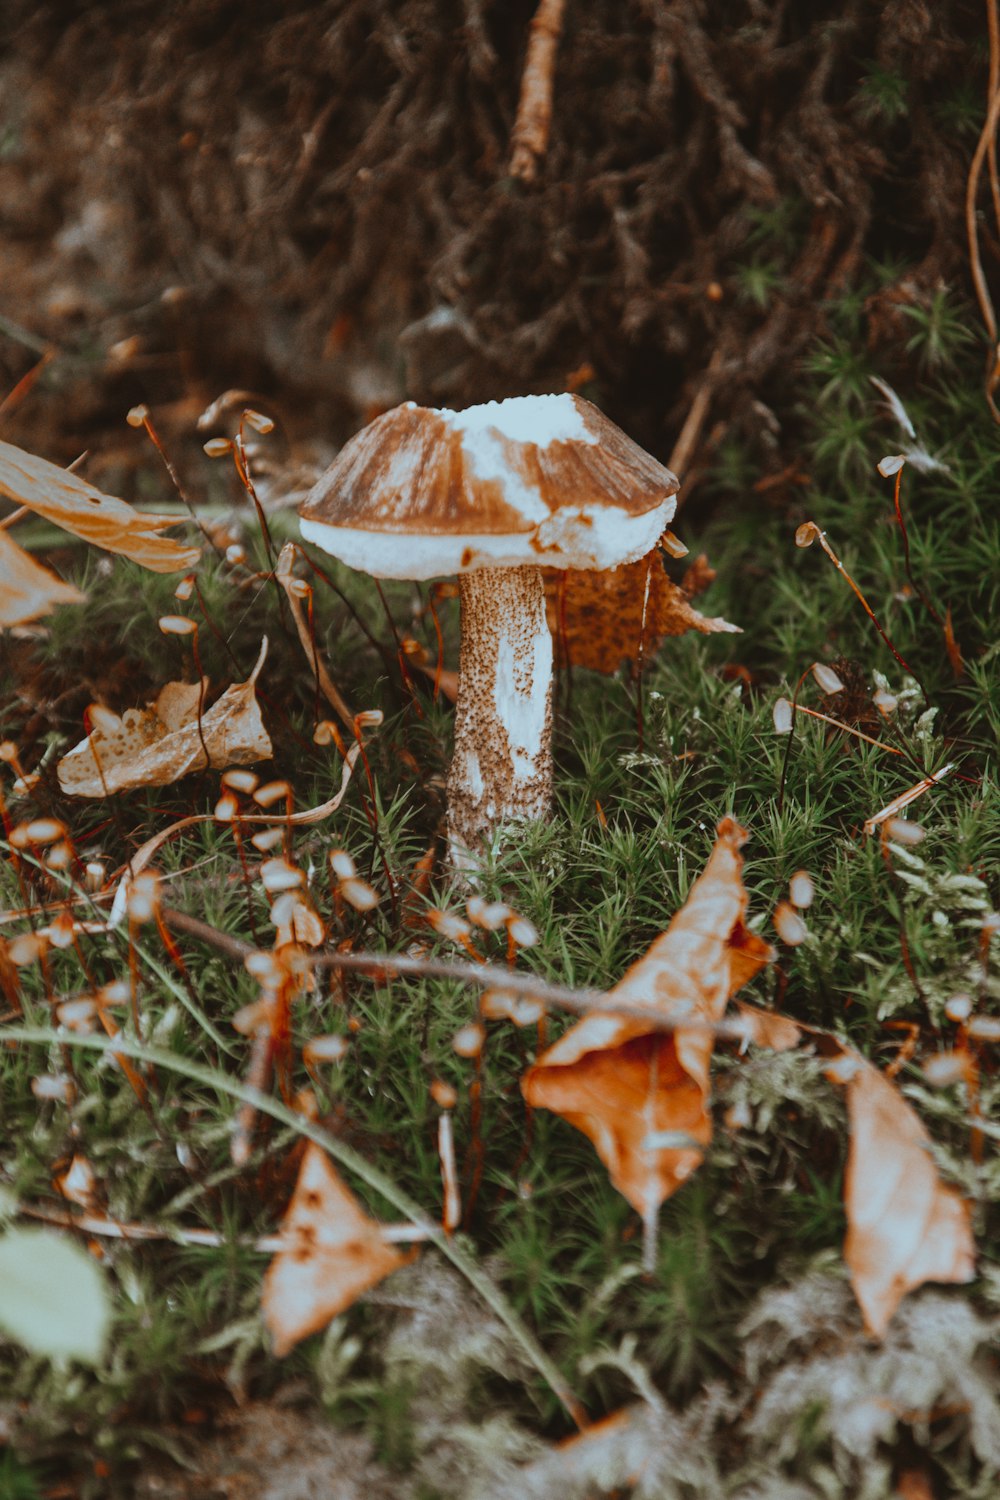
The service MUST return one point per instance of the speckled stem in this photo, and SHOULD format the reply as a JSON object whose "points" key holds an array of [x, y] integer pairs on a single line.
{"points": [[502, 767]]}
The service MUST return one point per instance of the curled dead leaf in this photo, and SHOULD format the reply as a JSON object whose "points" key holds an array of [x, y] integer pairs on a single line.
{"points": [[620, 1081], [905, 1226], [769, 1028], [27, 589], [70, 502], [598, 619], [697, 576], [332, 1253], [158, 745]]}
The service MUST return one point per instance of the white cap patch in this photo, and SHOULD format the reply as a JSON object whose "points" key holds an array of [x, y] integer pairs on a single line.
{"points": [[524, 419], [521, 419]]}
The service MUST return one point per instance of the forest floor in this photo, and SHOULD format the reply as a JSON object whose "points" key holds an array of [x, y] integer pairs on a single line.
{"points": [[741, 1361]]}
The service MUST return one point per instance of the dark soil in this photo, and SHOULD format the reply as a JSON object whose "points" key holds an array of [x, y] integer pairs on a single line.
{"points": [[314, 202]]}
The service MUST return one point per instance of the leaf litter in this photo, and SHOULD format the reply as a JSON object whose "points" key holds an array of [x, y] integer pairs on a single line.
{"points": [[621, 1081], [159, 744], [69, 501], [334, 1252], [27, 589]]}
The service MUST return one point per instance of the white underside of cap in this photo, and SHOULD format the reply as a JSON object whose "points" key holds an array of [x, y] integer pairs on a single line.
{"points": [[584, 536]]}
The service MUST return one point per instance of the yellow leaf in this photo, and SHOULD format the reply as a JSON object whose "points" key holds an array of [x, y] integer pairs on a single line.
{"points": [[70, 502]]}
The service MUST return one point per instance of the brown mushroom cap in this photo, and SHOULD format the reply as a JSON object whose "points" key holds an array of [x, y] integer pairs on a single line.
{"points": [[532, 480]]}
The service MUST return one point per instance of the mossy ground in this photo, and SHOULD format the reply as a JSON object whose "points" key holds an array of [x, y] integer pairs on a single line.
{"points": [[631, 830]]}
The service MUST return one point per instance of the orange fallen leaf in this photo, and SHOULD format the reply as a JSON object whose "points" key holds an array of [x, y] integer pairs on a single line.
{"points": [[769, 1028], [597, 621], [158, 745], [621, 1082], [70, 502], [697, 576], [332, 1253], [28, 590], [905, 1226]]}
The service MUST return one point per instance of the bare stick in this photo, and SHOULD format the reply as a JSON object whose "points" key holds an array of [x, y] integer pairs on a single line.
{"points": [[983, 147], [482, 976], [684, 447], [291, 586], [530, 136], [264, 1244]]}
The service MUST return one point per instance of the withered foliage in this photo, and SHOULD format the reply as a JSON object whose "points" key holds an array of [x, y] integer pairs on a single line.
{"points": [[326, 193], [600, 619]]}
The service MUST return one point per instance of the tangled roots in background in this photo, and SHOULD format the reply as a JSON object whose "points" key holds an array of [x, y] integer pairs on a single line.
{"points": [[320, 204]]}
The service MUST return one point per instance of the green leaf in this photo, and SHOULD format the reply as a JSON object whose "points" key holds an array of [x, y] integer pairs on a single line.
{"points": [[52, 1296]]}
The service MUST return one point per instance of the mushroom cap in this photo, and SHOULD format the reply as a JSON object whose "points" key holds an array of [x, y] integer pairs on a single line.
{"points": [[534, 480]]}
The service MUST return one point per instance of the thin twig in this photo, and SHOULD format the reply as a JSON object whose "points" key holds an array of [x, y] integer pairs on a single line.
{"points": [[992, 88], [263, 1244], [898, 803], [680, 457], [327, 687], [809, 532], [858, 734], [984, 147], [530, 136], [378, 1181], [482, 976]]}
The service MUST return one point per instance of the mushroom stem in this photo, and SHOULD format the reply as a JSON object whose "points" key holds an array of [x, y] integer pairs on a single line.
{"points": [[502, 768]]}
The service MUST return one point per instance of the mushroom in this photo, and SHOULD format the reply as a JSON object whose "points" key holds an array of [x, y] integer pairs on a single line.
{"points": [[493, 493]]}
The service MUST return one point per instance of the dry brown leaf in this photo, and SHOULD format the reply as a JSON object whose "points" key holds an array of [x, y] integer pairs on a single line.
{"points": [[905, 1226], [70, 502], [142, 856], [697, 576], [769, 1028], [596, 618], [333, 1252], [619, 1081], [28, 590], [158, 745]]}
